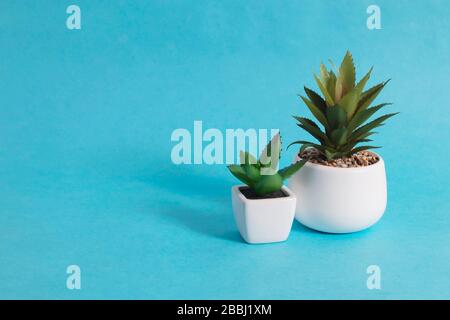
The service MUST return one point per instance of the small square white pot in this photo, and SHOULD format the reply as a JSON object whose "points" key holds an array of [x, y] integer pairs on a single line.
{"points": [[263, 220]]}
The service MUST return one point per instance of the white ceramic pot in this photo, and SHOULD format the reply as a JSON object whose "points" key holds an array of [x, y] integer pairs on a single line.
{"points": [[339, 200], [263, 220]]}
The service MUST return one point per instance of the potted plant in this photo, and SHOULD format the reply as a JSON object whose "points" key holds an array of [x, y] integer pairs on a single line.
{"points": [[342, 187], [263, 208]]}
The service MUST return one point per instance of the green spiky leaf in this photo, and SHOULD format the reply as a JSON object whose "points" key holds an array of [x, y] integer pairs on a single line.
{"points": [[239, 173], [252, 172], [271, 153], [351, 100], [287, 172], [351, 144], [268, 184], [358, 89], [317, 113], [339, 136], [330, 154], [316, 99], [331, 84], [313, 129], [324, 73], [362, 116], [369, 96], [357, 134], [363, 148], [336, 117], [346, 79], [362, 83], [328, 99], [365, 135]]}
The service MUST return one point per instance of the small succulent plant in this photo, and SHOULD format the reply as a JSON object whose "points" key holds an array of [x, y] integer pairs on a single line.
{"points": [[261, 175], [343, 111]]}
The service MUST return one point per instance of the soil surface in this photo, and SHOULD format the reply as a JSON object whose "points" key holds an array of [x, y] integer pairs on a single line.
{"points": [[250, 194], [359, 159]]}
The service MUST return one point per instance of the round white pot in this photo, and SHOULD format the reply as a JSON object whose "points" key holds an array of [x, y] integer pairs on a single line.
{"points": [[339, 200]]}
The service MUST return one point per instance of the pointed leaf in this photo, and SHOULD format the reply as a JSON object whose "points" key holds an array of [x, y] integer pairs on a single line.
{"points": [[271, 153], [317, 113], [362, 116], [336, 117], [363, 148], [369, 96], [311, 127], [346, 77], [287, 172], [362, 83], [338, 90], [330, 154], [239, 173], [268, 184], [323, 73], [339, 136], [320, 137], [367, 134], [306, 121], [323, 89], [316, 99], [350, 101], [331, 84], [252, 172], [357, 134], [350, 145]]}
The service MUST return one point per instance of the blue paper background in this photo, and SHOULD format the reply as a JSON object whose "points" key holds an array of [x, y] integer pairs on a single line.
{"points": [[85, 123]]}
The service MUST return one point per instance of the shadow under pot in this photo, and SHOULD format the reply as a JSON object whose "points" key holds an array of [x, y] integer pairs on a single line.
{"points": [[339, 200], [263, 219]]}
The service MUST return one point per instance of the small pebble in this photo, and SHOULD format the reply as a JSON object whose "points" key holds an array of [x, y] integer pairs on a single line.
{"points": [[360, 159]]}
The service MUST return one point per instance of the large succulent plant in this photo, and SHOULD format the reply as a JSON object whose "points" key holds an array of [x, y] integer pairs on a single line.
{"points": [[261, 175], [343, 111]]}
